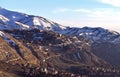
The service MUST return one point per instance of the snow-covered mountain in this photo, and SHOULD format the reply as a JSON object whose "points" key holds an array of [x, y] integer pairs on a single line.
{"points": [[10, 20], [14, 20]]}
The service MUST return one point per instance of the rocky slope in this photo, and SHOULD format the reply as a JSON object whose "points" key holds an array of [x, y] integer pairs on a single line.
{"points": [[38, 46]]}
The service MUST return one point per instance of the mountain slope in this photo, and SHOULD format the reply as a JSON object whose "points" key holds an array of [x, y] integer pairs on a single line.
{"points": [[45, 44]]}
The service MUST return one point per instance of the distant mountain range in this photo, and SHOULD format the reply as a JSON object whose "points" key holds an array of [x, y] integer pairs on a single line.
{"points": [[29, 39]]}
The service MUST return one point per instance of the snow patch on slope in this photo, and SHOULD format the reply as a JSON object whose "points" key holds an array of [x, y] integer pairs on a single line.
{"points": [[22, 26], [3, 18]]}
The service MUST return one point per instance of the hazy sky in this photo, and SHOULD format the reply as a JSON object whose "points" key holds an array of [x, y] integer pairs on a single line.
{"points": [[102, 13]]}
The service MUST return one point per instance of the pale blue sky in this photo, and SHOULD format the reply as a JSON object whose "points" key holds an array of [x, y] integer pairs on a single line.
{"points": [[104, 13]]}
